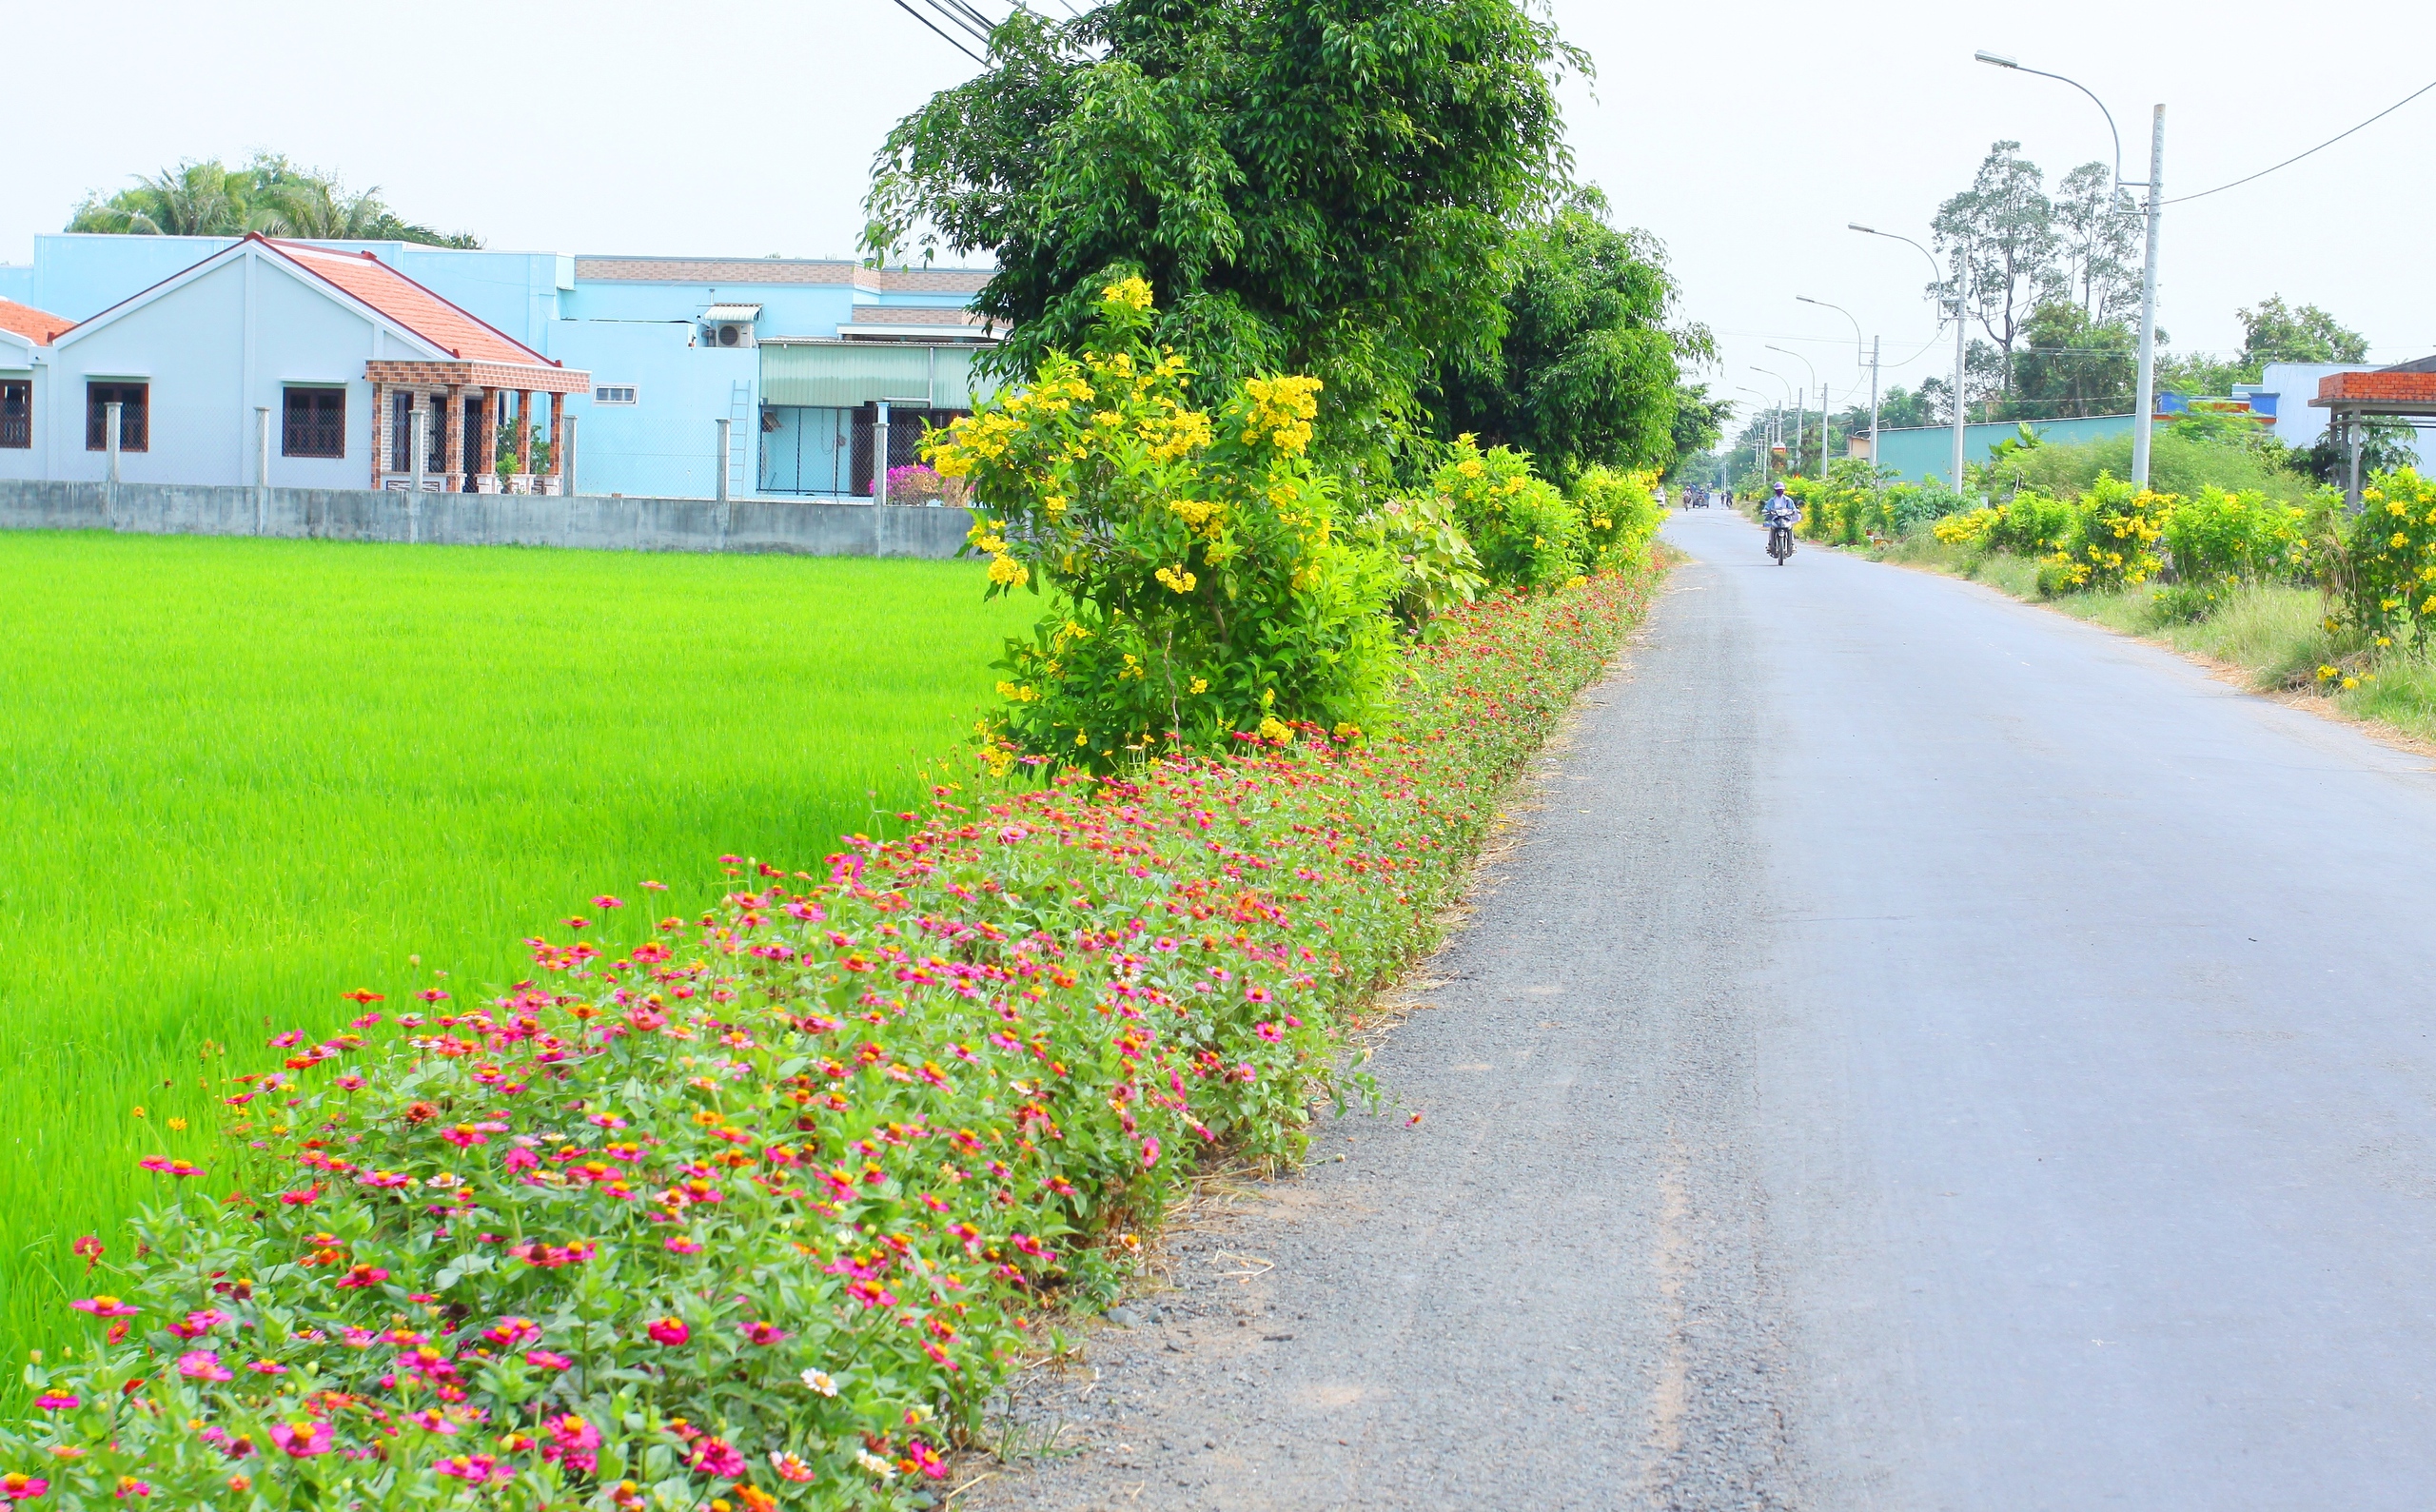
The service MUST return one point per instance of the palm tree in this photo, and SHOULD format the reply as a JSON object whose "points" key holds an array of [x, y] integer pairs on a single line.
{"points": [[270, 194]]}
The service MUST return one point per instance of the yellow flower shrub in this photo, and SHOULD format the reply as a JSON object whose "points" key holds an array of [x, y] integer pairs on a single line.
{"points": [[1203, 592]]}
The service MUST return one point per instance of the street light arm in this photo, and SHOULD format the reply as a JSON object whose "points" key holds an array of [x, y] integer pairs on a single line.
{"points": [[1841, 310], [1870, 230], [2007, 63]]}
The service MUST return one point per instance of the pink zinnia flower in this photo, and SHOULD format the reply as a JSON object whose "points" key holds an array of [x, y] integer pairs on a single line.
{"points": [[57, 1402], [268, 1367], [104, 1308], [924, 1460], [299, 1197], [606, 901], [716, 1457], [464, 1135], [203, 1365], [679, 1244], [546, 1360], [509, 1333], [670, 1331], [764, 1333], [476, 1468], [18, 1486], [302, 1439], [1150, 1152], [294, 1036], [363, 1276], [129, 1486], [1268, 1031]]}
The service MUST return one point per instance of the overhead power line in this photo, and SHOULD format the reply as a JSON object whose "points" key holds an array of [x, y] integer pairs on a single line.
{"points": [[2320, 147], [943, 36]]}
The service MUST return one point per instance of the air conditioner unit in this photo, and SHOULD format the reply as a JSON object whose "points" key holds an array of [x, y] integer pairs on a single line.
{"points": [[728, 333]]}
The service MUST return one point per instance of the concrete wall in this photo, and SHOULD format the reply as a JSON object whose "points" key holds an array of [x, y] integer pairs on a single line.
{"points": [[487, 520], [1927, 452]]}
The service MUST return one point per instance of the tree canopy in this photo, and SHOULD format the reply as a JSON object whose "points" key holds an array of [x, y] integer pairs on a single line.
{"points": [[1585, 374], [1332, 186], [269, 194]]}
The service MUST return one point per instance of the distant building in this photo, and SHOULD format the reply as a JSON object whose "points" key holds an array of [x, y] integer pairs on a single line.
{"points": [[797, 355], [289, 364]]}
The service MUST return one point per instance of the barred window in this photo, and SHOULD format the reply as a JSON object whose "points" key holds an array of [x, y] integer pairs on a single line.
{"points": [[134, 429], [316, 423], [17, 413]]}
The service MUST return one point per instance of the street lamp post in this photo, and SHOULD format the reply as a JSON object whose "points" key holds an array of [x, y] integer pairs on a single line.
{"points": [[1789, 399], [1760, 442], [1815, 388], [1961, 287], [2146, 400], [1857, 361]]}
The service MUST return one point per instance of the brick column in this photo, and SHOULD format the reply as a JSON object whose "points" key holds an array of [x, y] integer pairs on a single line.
{"points": [[452, 440], [558, 440], [524, 431], [381, 430]]}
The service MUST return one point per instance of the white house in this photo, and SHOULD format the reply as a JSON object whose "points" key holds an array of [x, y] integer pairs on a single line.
{"points": [[290, 364]]}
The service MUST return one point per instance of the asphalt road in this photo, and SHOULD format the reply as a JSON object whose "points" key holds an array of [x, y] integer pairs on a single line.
{"points": [[1923, 1052]]}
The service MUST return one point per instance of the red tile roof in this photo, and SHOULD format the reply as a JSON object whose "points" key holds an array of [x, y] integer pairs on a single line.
{"points": [[26, 320], [410, 304]]}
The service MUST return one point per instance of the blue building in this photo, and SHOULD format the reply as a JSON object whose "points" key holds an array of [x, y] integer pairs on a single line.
{"points": [[811, 362]]}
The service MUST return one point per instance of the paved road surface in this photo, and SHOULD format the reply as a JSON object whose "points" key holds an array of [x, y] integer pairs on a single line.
{"points": [[1925, 1053]]}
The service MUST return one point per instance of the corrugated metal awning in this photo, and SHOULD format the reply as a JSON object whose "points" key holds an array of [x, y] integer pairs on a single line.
{"points": [[845, 374], [733, 312]]}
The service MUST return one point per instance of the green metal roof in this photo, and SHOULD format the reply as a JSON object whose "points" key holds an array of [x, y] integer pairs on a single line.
{"points": [[844, 374]]}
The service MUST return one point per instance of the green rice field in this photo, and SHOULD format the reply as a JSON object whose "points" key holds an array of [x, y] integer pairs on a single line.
{"points": [[241, 777]]}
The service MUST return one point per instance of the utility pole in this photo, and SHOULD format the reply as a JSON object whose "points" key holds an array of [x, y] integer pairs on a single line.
{"points": [[2147, 397], [1961, 286], [1872, 405]]}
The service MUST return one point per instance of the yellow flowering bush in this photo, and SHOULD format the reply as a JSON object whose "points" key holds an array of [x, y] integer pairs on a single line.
{"points": [[1527, 534], [2383, 575], [1619, 514], [2215, 536], [1202, 592], [1970, 528], [2112, 543]]}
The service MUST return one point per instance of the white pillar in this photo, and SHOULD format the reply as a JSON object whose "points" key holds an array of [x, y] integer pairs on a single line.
{"points": [[2147, 397], [879, 456], [566, 457], [418, 446], [723, 423], [111, 413]]}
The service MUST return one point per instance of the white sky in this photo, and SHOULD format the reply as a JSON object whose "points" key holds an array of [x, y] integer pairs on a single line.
{"points": [[1745, 134]]}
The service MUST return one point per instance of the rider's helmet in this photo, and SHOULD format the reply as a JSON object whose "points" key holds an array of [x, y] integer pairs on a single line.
{"points": [[1781, 485]]}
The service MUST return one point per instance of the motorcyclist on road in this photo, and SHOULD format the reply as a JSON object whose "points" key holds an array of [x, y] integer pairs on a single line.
{"points": [[1781, 513]]}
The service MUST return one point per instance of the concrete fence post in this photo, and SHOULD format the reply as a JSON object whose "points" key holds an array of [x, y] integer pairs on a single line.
{"points": [[879, 456], [566, 453], [262, 469], [112, 413], [723, 423], [419, 442]]}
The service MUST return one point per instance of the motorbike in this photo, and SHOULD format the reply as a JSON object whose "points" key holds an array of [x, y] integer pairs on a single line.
{"points": [[1781, 540]]}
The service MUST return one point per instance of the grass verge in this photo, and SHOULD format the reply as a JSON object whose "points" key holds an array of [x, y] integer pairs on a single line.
{"points": [[2272, 636], [760, 1204]]}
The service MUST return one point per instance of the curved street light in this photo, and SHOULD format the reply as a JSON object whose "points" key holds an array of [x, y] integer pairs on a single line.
{"points": [[1961, 287], [2144, 402], [1800, 432], [1872, 365]]}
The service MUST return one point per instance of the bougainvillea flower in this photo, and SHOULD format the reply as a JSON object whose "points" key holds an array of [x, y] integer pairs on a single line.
{"points": [[670, 1331], [302, 1439], [104, 1308], [716, 1457]]}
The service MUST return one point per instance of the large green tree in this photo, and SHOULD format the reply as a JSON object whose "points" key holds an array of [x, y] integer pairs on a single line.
{"points": [[269, 194], [1586, 372], [2002, 229], [1329, 185]]}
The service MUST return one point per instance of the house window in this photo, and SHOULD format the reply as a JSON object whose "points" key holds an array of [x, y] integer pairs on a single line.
{"points": [[134, 433], [401, 432], [614, 394], [316, 423], [16, 413]]}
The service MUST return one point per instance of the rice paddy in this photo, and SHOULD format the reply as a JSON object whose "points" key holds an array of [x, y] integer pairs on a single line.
{"points": [[241, 777]]}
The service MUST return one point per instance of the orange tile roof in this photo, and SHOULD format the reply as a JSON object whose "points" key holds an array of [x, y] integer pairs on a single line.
{"points": [[410, 304], [26, 320]]}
